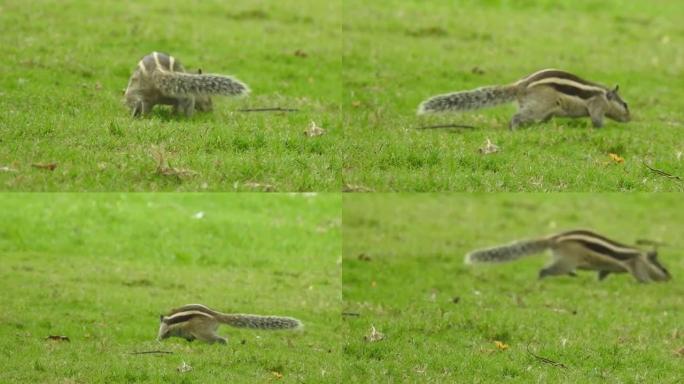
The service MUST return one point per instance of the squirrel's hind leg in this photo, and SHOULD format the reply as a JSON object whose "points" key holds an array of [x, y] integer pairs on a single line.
{"points": [[185, 106], [559, 266], [532, 111]]}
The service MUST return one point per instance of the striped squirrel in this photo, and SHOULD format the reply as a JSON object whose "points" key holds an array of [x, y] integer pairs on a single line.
{"points": [[196, 321], [579, 249], [540, 96], [161, 79]]}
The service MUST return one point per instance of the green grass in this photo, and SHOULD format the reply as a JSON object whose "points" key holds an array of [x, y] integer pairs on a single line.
{"points": [[404, 269], [397, 53], [100, 269], [65, 65]]}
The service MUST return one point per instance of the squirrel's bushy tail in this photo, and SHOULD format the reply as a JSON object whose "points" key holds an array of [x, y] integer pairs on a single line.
{"points": [[467, 100], [260, 322], [182, 84], [508, 252]]}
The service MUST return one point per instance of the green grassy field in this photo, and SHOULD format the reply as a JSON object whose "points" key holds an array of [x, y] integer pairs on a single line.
{"points": [[403, 273], [397, 53], [65, 65], [100, 269]]}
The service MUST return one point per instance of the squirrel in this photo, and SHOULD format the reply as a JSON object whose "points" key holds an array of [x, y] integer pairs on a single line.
{"points": [[579, 249], [161, 79], [197, 321], [540, 96]]}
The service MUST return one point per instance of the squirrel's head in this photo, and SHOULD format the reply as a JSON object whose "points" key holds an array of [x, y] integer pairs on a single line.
{"points": [[659, 272], [618, 109]]}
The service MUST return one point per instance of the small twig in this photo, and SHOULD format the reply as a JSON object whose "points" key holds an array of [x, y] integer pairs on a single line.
{"points": [[352, 314], [276, 109], [447, 126], [545, 360], [663, 173], [653, 243], [148, 352]]}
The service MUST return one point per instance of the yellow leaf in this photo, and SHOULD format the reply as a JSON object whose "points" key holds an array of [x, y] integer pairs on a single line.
{"points": [[277, 375], [616, 158], [500, 345]]}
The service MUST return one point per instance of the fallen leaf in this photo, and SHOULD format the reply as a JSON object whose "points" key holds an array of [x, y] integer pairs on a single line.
{"points": [[500, 345], [263, 186], [277, 375], [488, 148], [184, 367], [616, 158], [374, 335], [6, 168], [163, 167], [356, 188], [48, 166], [314, 130]]}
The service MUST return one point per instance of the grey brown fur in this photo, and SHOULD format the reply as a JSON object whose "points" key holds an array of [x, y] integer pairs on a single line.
{"points": [[161, 79], [198, 322], [580, 249], [540, 96]]}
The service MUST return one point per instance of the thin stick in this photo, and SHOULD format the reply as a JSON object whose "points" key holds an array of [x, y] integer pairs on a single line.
{"points": [[276, 109], [545, 360], [447, 126], [663, 173], [147, 352], [351, 314]]}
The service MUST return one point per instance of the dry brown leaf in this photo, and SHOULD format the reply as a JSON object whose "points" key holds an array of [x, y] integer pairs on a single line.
{"points": [[374, 335], [314, 130], [616, 158], [263, 186], [163, 167], [356, 188], [6, 168], [184, 367], [48, 166], [488, 148]]}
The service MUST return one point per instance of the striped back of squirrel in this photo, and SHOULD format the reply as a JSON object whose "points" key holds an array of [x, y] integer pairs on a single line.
{"points": [[598, 243], [157, 61]]}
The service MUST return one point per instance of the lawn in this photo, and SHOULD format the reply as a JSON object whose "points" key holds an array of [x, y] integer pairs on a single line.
{"points": [[444, 321], [65, 65], [397, 53], [100, 268]]}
